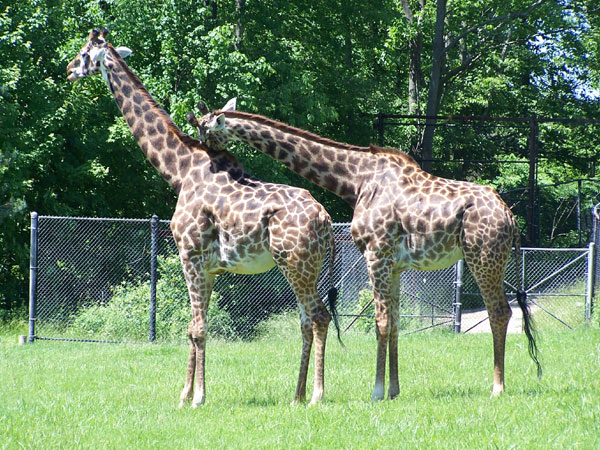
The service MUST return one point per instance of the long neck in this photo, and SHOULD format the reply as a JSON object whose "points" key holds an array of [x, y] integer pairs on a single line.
{"points": [[166, 147], [336, 167]]}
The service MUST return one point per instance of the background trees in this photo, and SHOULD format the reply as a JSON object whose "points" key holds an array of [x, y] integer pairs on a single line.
{"points": [[64, 149]]}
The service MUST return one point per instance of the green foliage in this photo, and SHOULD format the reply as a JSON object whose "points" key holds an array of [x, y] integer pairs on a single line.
{"points": [[126, 316]]}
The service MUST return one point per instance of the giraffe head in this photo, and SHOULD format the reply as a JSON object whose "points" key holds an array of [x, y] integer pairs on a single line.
{"points": [[211, 126], [93, 56]]}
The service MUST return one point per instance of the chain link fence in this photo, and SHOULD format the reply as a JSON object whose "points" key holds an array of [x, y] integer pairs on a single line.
{"points": [[120, 280]]}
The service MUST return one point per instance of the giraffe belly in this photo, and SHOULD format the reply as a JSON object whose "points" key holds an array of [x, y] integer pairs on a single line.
{"points": [[419, 253], [251, 264]]}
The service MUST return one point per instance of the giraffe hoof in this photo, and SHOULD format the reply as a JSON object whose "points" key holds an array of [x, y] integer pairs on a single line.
{"points": [[314, 402], [497, 391], [197, 402]]}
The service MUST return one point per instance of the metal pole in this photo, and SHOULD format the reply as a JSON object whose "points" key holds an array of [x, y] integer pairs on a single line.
{"points": [[33, 254], [153, 253], [380, 129], [589, 285], [457, 291], [533, 132], [578, 210], [523, 268]]}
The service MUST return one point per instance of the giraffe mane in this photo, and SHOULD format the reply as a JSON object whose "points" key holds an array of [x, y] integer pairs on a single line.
{"points": [[406, 159], [185, 138]]}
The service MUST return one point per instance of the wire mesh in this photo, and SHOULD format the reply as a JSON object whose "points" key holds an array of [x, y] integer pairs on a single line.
{"points": [[93, 283]]}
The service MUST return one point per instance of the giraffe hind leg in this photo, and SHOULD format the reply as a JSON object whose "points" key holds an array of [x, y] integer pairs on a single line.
{"points": [[499, 316], [307, 341], [489, 276], [320, 322], [301, 267]]}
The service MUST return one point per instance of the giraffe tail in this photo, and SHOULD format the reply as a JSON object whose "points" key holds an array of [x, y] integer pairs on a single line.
{"points": [[332, 293], [528, 325]]}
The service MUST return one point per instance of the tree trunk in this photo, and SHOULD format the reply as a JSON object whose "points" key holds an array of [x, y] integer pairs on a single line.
{"points": [[433, 97], [415, 47], [239, 27]]}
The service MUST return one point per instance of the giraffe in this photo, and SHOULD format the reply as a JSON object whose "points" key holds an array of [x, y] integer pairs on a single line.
{"points": [[404, 218], [225, 220]]}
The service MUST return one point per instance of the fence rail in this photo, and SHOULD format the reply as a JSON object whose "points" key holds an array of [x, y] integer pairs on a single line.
{"points": [[120, 280]]}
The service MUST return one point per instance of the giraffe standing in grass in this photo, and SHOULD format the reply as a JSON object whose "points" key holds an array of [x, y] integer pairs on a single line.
{"points": [[225, 219], [404, 218]]}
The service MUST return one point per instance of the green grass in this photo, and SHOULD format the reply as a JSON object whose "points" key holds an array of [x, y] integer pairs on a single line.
{"points": [[75, 395]]}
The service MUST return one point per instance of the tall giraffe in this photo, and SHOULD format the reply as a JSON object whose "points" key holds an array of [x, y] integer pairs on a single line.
{"points": [[225, 220], [404, 218]]}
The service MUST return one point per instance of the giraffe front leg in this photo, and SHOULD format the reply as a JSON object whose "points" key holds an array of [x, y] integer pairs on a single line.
{"points": [[382, 344], [199, 285], [188, 388], [380, 269], [199, 342], [394, 387]]}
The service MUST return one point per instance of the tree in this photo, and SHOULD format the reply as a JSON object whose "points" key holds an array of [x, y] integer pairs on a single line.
{"points": [[65, 149]]}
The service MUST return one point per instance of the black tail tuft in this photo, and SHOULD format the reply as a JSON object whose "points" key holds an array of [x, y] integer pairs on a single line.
{"points": [[332, 301], [529, 329]]}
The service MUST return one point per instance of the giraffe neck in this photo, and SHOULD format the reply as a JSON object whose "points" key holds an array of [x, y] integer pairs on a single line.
{"points": [[336, 167], [166, 147]]}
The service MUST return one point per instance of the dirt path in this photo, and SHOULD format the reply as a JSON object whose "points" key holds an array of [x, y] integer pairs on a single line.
{"points": [[470, 318]]}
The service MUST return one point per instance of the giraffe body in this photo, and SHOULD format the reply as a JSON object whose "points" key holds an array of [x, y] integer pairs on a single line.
{"points": [[404, 218], [225, 219]]}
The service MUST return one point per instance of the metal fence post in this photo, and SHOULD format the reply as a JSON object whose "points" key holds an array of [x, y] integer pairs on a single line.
{"points": [[578, 210], [153, 253], [589, 285], [33, 254], [456, 306]]}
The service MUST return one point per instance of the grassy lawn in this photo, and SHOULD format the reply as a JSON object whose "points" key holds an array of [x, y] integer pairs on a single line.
{"points": [[75, 395]]}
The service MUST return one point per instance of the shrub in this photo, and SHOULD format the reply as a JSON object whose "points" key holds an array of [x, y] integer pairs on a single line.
{"points": [[366, 322], [126, 316], [409, 312]]}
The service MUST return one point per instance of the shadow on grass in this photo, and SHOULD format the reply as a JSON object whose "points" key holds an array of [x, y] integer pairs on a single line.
{"points": [[261, 401], [458, 392]]}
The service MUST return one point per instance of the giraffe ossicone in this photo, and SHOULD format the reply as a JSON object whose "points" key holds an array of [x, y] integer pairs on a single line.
{"points": [[225, 219], [404, 218]]}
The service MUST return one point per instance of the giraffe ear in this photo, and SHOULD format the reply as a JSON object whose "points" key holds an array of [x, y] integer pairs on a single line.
{"points": [[124, 52], [220, 122], [230, 105]]}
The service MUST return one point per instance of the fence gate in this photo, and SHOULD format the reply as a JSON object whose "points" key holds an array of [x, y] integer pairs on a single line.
{"points": [[559, 284]]}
